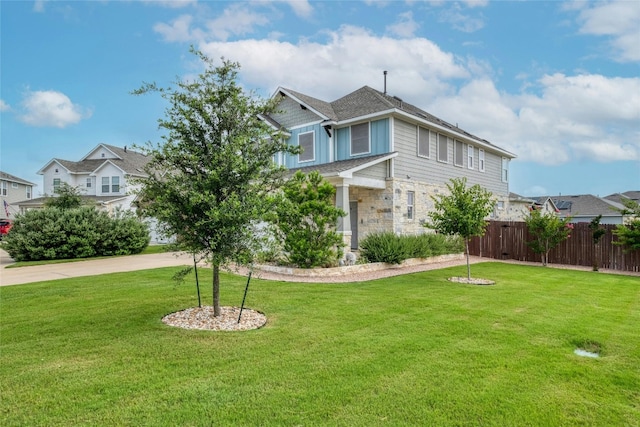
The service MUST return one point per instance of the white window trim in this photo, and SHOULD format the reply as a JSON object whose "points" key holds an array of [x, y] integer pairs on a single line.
{"points": [[411, 206], [108, 185], [28, 191], [428, 156], [504, 170], [313, 144], [438, 147], [481, 160], [14, 185], [351, 153], [113, 179], [470, 156], [458, 162]]}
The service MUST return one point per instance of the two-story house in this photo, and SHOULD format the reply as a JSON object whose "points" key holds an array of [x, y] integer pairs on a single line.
{"points": [[12, 191], [385, 157], [102, 176]]}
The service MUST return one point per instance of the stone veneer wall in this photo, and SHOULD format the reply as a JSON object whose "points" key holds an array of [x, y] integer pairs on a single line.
{"points": [[386, 210]]}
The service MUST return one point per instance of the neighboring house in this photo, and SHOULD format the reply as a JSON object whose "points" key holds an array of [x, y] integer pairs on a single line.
{"points": [[622, 197], [103, 176], [585, 207], [521, 206], [385, 157], [12, 191]]}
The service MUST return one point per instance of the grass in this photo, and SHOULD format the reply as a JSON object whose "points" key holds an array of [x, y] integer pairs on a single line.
{"points": [[403, 351], [150, 249]]}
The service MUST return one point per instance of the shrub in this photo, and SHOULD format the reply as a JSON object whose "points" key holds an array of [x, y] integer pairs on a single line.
{"points": [[54, 233], [390, 248]]}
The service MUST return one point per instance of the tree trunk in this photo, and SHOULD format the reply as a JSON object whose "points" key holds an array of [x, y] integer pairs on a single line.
{"points": [[216, 290], [466, 246]]}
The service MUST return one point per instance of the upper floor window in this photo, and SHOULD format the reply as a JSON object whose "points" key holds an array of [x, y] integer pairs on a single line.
{"points": [[423, 142], [105, 184], [3, 188], [457, 153], [505, 169], [88, 182], [481, 160], [115, 184], [443, 148], [470, 157], [28, 187], [360, 139], [306, 142], [56, 185], [410, 202], [14, 185]]}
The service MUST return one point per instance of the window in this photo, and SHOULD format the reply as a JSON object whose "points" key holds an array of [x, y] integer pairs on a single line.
{"points": [[457, 153], [360, 139], [305, 141], [443, 148], [28, 187], [423, 142], [410, 199], [470, 154], [56, 184], [88, 182], [481, 160], [14, 185], [3, 188], [105, 184], [505, 169], [115, 184], [500, 204]]}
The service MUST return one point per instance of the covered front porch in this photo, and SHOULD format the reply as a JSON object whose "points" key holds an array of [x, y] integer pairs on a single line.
{"points": [[356, 181]]}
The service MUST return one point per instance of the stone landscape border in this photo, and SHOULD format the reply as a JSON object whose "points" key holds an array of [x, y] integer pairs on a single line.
{"points": [[349, 270]]}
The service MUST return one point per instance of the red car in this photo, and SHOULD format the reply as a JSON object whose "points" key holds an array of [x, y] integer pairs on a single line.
{"points": [[5, 226]]}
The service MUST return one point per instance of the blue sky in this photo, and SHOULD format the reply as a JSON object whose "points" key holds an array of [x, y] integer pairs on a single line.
{"points": [[556, 83]]}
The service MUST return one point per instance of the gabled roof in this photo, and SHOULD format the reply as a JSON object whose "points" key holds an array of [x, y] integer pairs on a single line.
{"points": [[586, 205], [130, 162], [627, 195], [367, 101], [12, 178]]}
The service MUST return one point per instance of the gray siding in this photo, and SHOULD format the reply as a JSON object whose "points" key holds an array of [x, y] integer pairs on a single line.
{"points": [[290, 114], [378, 171], [430, 170]]}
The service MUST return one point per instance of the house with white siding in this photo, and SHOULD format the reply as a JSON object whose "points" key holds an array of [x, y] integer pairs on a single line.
{"points": [[12, 191], [102, 176], [385, 157]]}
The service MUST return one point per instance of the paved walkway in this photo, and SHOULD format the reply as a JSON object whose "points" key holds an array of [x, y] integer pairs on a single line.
{"points": [[39, 273]]}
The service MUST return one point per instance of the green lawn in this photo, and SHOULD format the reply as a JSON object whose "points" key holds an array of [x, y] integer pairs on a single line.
{"points": [[410, 350]]}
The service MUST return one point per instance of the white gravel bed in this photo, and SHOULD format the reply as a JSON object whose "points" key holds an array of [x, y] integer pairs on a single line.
{"points": [[202, 318]]}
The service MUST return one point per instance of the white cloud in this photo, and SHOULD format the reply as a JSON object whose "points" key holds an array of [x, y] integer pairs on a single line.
{"points": [[575, 117], [4, 106], [301, 8], [51, 109], [416, 66], [236, 20], [461, 21], [172, 4], [405, 26], [619, 20], [38, 5]]}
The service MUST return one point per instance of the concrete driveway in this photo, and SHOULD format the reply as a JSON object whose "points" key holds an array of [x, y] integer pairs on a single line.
{"points": [[39, 273]]}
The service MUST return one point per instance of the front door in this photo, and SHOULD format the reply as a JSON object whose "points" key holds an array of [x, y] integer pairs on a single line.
{"points": [[353, 216]]}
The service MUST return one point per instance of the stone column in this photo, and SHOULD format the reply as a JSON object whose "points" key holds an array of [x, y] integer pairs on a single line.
{"points": [[344, 223]]}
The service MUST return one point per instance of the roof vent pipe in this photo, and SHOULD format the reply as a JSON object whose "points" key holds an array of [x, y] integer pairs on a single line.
{"points": [[385, 81]]}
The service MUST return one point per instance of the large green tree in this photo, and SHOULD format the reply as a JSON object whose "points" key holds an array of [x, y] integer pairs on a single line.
{"points": [[306, 221], [462, 212], [548, 231], [209, 179]]}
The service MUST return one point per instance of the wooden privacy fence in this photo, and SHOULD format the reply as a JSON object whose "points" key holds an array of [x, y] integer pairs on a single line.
{"points": [[507, 240]]}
